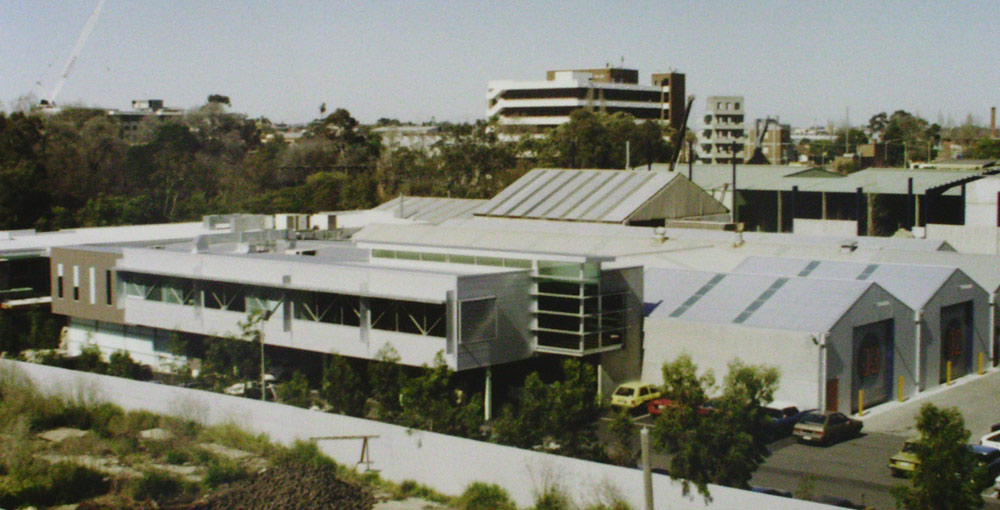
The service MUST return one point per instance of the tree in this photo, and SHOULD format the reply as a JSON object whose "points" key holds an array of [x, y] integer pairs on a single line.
{"points": [[985, 148], [724, 446], [948, 476], [561, 415], [430, 401], [235, 357], [218, 98], [385, 377], [597, 140], [342, 388], [622, 433], [295, 392]]}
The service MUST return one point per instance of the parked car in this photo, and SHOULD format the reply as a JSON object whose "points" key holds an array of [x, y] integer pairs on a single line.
{"points": [[905, 460], [633, 394], [656, 407], [838, 501], [989, 457], [826, 428], [784, 415], [992, 440]]}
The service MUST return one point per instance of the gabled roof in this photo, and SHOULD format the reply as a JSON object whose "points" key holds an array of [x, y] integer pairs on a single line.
{"points": [[913, 285], [602, 196], [753, 300], [432, 210]]}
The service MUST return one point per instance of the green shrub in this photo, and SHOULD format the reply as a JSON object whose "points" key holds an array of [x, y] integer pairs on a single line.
{"points": [[52, 484], [156, 485], [552, 499], [222, 471], [485, 496], [233, 436], [305, 453], [130, 424], [412, 489], [177, 457]]}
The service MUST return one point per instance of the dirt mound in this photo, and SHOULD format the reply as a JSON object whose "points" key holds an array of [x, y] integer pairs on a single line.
{"points": [[291, 487]]}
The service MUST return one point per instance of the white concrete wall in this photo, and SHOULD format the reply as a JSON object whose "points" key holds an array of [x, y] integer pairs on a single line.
{"points": [[981, 202], [968, 238], [837, 228], [445, 463], [712, 346]]}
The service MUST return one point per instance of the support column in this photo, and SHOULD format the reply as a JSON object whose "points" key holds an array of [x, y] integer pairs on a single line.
{"points": [[916, 210], [823, 204], [488, 396], [795, 201], [871, 215], [859, 196], [909, 203], [780, 218]]}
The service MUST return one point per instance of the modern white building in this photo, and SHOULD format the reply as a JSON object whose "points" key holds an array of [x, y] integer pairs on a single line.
{"points": [[540, 104]]}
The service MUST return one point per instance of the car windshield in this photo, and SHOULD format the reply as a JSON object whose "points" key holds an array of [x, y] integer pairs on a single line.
{"points": [[624, 392], [814, 418]]}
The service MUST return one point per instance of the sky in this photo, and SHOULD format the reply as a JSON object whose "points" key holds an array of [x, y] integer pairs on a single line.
{"points": [[810, 63]]}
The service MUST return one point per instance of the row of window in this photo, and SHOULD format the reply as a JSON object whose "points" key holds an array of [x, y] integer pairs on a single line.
{"points": [[428, 319], [647, 96], [91, 280]]}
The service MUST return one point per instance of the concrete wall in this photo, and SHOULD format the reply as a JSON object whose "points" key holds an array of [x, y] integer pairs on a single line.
{"points": [[448, 464], [712, 346], [981, 202], [837, 228], [967, 238]]}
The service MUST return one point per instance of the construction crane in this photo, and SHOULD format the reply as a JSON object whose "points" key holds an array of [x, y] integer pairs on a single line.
{"points": [[88, 28], [678, 138], [758, 157]]}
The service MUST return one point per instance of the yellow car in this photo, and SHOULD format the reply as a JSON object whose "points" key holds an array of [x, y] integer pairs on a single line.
{"points": [[904, 462], [632, 395]]}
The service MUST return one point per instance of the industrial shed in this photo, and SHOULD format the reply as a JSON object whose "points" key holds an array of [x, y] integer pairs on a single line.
{"points": [[950, 308], [829, 338], [603, 196]]}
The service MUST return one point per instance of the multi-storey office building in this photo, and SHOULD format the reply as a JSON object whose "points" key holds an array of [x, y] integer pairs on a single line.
{"points": [[543, 104], [775, 141], [724, 127]]}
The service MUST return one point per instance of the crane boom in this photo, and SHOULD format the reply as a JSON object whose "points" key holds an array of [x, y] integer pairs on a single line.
{"points": [[88, 27]]}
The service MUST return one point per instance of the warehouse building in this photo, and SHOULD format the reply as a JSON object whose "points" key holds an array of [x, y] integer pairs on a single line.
{"points": [[835, 342], [953, 336]]}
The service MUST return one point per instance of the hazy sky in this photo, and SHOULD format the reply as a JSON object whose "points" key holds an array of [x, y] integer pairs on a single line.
{"points": [[804, 61]]}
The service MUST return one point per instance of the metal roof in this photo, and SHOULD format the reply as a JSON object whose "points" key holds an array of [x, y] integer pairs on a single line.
{"points": [[914, 285], [41, 242], [432, 210], [754, 300], [783, 178], [609, 196]]}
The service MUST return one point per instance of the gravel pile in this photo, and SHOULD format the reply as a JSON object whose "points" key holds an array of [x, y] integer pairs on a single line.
{"points": [[291, 487]]}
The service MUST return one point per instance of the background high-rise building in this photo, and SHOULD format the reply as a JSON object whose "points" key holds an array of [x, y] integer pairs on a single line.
{"points": [[723, 127], [546, 103]]}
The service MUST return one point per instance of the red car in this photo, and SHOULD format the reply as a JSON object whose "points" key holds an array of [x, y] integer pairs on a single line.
{"points": [[657, 406]]}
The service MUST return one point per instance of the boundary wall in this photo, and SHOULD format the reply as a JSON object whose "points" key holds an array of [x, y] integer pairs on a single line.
{"points": [[446, 463]]}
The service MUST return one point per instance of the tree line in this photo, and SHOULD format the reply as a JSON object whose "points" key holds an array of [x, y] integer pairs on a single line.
{"points": [[83, 167]]}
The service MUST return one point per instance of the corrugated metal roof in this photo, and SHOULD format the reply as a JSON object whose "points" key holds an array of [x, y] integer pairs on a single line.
{"points": [[914, 285], [30, 242], [782, 177], [754, 300], [608, 196], [432, 210]]}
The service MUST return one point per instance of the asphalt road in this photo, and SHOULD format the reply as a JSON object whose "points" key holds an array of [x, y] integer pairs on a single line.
{"points": [[857, 469]]}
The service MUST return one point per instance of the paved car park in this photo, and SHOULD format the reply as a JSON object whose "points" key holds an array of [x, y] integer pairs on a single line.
{"points": [[857, 469]]}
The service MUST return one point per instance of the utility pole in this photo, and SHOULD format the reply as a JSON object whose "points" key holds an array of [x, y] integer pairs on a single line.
{"points": [[736, 217], [647, 470]]}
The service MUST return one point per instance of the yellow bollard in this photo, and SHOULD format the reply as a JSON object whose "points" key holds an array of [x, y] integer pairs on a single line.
{"points": [[901, 383], [861, 402], [981, 371], [948, 378]]}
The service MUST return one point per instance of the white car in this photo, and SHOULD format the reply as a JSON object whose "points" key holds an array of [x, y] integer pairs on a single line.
{"points": [[992, 440]]}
